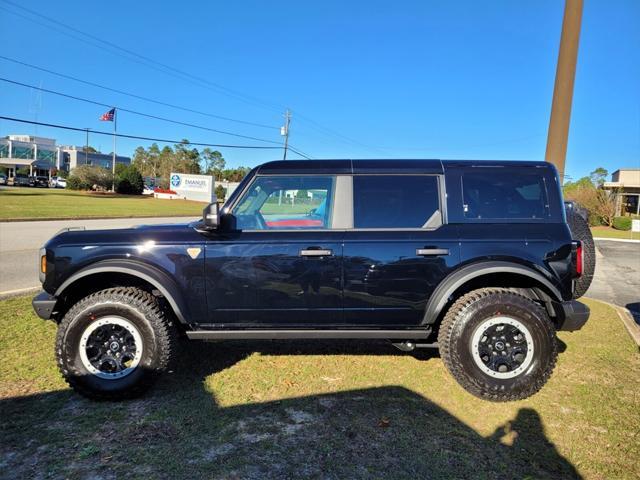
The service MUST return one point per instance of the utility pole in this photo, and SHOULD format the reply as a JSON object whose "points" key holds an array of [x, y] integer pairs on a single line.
{"points": [[284, 131], [558, 134], [86, 147]]}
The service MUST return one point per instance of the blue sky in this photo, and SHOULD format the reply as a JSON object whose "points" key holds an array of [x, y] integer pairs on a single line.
{"points": [[424, 79]]}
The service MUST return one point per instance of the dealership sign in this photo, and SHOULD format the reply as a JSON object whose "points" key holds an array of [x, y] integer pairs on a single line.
{"points": [[193, 187]]}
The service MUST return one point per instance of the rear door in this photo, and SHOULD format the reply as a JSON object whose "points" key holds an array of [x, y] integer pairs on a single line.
{"points": [[399, 249]]}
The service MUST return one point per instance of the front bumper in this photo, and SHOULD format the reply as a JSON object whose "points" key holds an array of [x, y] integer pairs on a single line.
{"points": [[571, 315], [43, 304]]}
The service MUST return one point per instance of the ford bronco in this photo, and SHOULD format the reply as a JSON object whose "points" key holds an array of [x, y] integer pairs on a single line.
{"points": [[474, 258]]}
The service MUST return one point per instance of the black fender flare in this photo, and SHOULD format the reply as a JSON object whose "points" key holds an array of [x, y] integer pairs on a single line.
{"points": [[159, 279], [456, 279]]}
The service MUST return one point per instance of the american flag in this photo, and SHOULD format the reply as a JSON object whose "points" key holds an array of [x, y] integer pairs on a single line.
{"points": [[108, 117]]}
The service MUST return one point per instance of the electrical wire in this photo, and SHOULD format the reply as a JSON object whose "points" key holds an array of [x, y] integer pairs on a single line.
{"points": [[145, 60], [147, 115], [137, 137], [133, 95]]}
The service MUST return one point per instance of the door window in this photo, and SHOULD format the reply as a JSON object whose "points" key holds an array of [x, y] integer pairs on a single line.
{"points": [[280, 202], [400, 201]]}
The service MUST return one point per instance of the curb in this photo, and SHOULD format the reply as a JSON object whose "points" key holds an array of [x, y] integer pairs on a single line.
{"points": [[19, 292], [616, 240], [633, 329]]}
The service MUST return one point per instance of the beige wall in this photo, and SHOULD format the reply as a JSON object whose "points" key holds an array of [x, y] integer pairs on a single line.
{"points": [[627, 177]]}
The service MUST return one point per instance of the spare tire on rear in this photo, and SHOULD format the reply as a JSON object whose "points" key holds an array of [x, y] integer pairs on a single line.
{"points": [[576, 218]]}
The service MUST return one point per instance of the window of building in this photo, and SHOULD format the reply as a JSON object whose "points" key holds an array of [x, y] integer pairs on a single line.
{"points": [[275, 203], [491, 194], [403, 201], [46, 155], [21, 152], [4, 150]]}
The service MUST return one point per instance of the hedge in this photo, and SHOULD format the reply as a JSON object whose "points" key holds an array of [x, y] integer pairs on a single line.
{"points": [[622, 223]]}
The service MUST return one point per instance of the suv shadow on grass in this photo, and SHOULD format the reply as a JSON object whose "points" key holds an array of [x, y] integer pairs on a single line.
{"points": [[179, 430]]}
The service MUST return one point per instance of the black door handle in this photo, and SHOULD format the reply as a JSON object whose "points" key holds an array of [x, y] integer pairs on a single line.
{"points": [[427, 252]]}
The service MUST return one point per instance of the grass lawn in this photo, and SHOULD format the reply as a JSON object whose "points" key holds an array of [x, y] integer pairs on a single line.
{"points": [[320, 410], [48, 203], [608, 232]]}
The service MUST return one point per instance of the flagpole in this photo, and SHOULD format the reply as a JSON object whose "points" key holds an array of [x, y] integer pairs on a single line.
{"points": [[113, 166]]}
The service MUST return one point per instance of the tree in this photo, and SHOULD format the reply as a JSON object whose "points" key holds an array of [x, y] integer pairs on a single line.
{"points": [[213, 162], [88, 177], [128, 180], [89, 149], [221, 193], [599, 176]]}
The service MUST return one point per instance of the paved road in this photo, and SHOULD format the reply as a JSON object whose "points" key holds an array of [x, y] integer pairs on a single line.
{"points": [[20, 242], [617, 278]]}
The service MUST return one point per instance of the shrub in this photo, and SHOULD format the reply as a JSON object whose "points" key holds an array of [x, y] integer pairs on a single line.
{"points": [[221, 192], [622, 223], [595, 220], [129, 180], [87, 177]]}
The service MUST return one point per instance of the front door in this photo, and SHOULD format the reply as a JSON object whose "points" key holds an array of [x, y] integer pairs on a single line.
{"points": [[282, 264], [398, 251]]}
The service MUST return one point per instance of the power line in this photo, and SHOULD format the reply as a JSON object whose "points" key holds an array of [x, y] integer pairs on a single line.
{"points": [[138, 137], [146, 60], [133, 95], [148, 115], [167, 69]]}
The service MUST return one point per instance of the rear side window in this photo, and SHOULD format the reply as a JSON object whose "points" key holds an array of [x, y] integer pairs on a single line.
{"points": [[401, 201], [491, 194]]}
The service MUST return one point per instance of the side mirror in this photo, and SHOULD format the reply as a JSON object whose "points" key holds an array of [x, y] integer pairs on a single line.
{"points": [[211, 216]]}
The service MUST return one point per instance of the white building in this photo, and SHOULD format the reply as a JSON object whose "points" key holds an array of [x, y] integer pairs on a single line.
{"points": [[42, 156]]}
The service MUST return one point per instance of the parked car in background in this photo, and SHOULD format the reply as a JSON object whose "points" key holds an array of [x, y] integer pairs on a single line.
{"points": [[147, 190], [3, 179], [18, 180], [58, 182], [39, 181]]}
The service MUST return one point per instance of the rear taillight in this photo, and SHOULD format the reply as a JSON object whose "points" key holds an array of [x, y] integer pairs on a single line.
{"points": [[579, 258]]}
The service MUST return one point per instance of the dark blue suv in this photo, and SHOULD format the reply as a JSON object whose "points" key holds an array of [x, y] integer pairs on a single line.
{"points": [[474, 258]]}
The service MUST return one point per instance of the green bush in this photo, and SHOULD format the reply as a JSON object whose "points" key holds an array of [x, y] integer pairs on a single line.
{"points": [[87, 177], [221, 193], [622, 223], [595, 220], [129, 180]]}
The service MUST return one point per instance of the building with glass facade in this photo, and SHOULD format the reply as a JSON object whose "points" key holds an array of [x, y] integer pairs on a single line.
{"points": [[38, 155], [41, 156]]}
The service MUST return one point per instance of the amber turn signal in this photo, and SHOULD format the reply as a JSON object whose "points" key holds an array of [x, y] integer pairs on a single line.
{"points": [[43, 264]]}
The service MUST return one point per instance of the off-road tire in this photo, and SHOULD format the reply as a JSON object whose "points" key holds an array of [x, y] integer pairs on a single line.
{"points": [[580, 231], [142, 310], [467, 314]]}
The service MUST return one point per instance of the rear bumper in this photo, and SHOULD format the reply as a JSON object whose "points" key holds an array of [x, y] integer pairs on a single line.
{"points": [[572, 315], [43, 304]]}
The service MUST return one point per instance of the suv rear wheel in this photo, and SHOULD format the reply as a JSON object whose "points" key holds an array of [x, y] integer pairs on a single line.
{"points": [[498, 345], [114, 343]]}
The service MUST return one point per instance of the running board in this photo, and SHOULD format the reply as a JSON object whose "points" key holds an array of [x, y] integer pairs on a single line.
{"points": [[253, 334]]}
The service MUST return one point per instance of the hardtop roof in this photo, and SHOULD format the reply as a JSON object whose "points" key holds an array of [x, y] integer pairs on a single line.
{"points": [[383, 166]]}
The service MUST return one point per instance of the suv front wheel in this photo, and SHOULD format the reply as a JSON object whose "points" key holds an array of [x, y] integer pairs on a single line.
{"points": [[114, 343], [498, 344]]}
